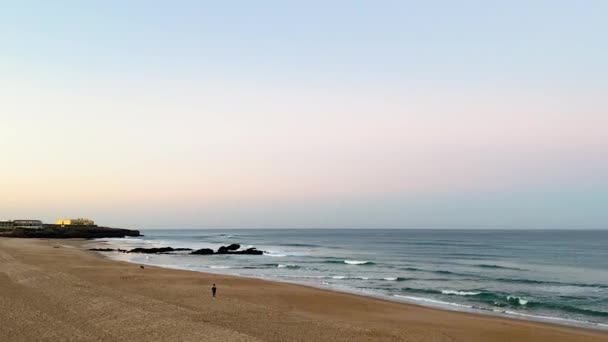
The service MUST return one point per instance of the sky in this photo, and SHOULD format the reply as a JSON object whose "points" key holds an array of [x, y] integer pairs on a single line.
{"points": [[308, 114]]}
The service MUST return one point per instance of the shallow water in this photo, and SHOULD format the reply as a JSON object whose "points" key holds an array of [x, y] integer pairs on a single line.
{"points": [[552, 275]]}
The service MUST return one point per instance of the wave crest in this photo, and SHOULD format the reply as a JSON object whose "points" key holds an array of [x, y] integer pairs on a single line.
{"points": [[358, 262], [460, 293], [517, 300]]}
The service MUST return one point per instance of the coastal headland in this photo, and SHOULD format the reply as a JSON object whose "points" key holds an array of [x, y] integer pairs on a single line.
{"points": [[54, 231], [56, 290]]}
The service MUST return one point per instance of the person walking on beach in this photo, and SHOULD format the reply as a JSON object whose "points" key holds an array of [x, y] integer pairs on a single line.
{"points": [[213, 290]]}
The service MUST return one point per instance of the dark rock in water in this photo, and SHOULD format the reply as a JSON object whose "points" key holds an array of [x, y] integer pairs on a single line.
{"points": [[232, 249], [203, 251], [249, 251], [158, 250], [53, 231], [227, 249], [108, 250]]}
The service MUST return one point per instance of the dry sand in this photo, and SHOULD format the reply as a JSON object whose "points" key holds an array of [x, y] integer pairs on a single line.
{"points": [[56, 291]]}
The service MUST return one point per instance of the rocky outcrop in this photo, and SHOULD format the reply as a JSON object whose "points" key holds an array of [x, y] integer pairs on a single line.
{"points": [[232, 249], [108, 250], [227, 249], [248, 251], [203, 251], [52, 231], [158, 250]]}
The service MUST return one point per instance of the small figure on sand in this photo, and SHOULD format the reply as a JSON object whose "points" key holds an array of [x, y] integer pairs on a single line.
{"points": [[213, 290]]}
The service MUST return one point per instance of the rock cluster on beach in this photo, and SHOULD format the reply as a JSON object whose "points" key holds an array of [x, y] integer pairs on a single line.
{"points": [[231, 249]]}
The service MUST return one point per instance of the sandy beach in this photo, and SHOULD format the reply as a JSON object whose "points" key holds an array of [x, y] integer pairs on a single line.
{"points": [[54, 290]]}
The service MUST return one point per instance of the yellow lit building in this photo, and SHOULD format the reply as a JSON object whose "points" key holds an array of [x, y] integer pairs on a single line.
{"points": [[75, 222]]}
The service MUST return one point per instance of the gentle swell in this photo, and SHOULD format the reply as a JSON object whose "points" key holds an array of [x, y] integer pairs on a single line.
{"points": [[498, 267], [298, 245], [505, 280], [288, 266]]}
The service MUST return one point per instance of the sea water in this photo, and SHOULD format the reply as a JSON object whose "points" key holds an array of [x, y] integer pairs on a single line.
{"points": [[554, 275]]}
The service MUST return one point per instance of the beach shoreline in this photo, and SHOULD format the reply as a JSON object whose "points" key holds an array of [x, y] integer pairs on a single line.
{"points": [[418, 302], [250, 309], [493, 284]]}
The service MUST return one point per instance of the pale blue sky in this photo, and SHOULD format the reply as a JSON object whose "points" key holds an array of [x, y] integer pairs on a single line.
{"points": [[539, 41], [186, 114]]}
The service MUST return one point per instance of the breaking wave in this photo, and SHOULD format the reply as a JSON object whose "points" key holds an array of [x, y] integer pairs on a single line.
{"points": [[358, 262], [349, 262], [396, 279], [460, 293]]}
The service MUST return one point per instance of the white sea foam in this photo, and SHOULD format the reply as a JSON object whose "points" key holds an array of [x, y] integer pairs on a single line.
{"points": [[274, 254], [552, 318], [432, 301], [287, 266], [219, 267], [302, 276], [320, 277], [282, 253], [356, 262], [521, 301], [123, 243], [390, 278], [460, 293]]}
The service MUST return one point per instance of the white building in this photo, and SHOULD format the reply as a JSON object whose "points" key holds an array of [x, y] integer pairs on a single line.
{"points": [[6, 224], [29, 224]]}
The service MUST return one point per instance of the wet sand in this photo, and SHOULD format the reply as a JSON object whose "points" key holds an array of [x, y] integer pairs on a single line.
{"points": [[53, 290]]}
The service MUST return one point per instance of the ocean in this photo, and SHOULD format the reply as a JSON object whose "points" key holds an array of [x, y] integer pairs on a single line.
{"points": [[549, 275]]}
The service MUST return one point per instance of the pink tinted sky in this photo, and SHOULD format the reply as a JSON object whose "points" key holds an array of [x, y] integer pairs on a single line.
{"points": [[161, 134]]}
